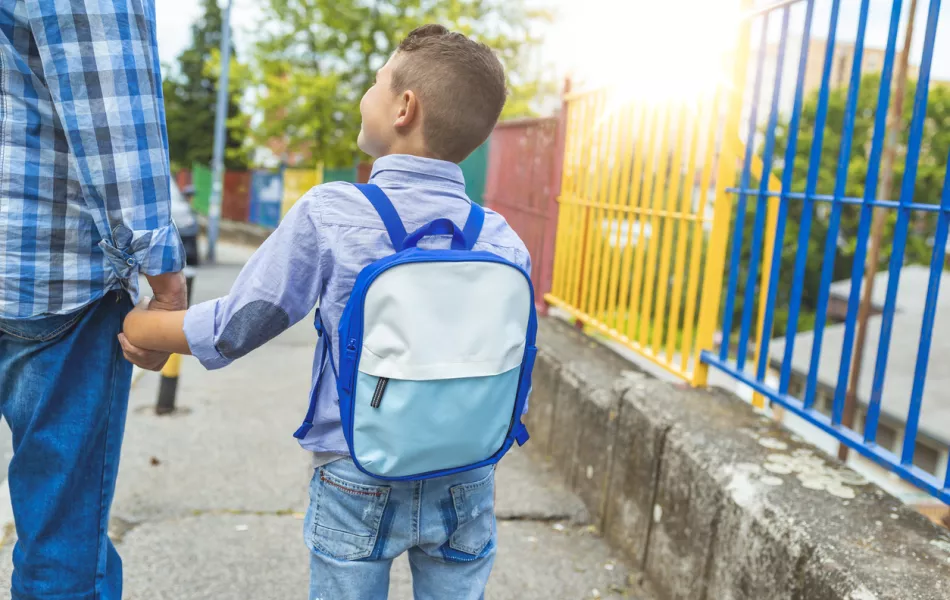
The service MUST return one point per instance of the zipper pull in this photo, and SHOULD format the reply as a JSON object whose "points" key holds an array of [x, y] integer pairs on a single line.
{"points": [[347, 368], [380, 390]]}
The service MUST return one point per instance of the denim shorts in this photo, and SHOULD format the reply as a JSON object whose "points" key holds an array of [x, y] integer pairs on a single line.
{"points": [[356, 525]]}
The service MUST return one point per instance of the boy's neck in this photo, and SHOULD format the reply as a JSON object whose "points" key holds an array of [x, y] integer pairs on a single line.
{"points": [[409, 148]]}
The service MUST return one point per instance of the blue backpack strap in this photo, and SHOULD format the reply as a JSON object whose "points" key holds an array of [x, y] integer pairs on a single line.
{"points": [[473, 227], [521, 433], [307, 425], [325, 353], [387, 212]]}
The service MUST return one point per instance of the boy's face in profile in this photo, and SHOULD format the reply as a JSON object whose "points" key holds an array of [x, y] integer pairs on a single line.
{"points": [[379, 110]]}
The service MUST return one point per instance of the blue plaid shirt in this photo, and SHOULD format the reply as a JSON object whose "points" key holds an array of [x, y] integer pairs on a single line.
{"points": [[84, 173]]}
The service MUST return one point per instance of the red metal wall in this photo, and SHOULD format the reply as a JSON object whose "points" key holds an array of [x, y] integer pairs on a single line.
{"points": [[363, 171], [183, 179], [236, 196], [524, 180]]}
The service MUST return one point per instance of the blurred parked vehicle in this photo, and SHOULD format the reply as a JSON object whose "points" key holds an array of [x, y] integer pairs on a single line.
{"points": [[186, 219]]}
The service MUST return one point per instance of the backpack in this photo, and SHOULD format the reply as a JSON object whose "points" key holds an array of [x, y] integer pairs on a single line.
{"points": [[438, 350]]}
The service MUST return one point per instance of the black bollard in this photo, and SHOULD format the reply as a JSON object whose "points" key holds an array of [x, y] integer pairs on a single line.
{"points": [[168, 388]]}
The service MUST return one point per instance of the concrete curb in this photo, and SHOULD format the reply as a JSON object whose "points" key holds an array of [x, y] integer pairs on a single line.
{"points": [[677, 480]]}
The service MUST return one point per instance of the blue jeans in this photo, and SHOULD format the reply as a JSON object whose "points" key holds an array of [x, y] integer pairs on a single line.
{"points": [[357, 525], [64, 390]]}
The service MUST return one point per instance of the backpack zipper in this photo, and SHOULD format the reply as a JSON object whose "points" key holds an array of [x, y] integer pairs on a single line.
{"points": [[380, 389]]}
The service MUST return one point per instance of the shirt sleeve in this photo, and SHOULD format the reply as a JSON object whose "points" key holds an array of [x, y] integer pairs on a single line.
{"points": [[101, 65], [278, 287]]}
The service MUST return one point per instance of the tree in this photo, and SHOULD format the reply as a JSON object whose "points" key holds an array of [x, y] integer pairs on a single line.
{"points": [[191, 99], [318, 57], [927, 190]]}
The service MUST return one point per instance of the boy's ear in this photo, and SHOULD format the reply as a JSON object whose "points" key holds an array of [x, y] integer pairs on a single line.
{"points": [[408, 110]]}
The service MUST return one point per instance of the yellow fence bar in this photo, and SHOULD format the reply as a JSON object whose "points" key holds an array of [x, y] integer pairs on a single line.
{"points": [[586, 188], [640, 158], [682, 232], [653, 241], [636, 210], [725, 176], [605, 149], [567, 220], [569, 213], [636, 292], [579, 225], [672, 195], [610, 218], [626, 160], [688, 349]]}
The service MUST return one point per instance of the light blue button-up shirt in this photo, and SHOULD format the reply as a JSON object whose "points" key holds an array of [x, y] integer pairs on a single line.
{"points": [[314, 257]]}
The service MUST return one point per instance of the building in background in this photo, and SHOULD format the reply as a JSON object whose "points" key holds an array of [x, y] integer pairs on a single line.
{"points": [[872, 61]]}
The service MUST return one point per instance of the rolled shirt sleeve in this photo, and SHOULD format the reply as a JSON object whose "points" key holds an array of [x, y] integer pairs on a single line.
{"points": [[278, 287]]}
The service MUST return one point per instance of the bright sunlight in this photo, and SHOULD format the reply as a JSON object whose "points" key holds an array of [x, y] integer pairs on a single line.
{"points": [[671, 50]]}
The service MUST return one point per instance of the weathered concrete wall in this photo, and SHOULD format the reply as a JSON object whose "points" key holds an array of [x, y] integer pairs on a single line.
{"points": [[675, 478]]}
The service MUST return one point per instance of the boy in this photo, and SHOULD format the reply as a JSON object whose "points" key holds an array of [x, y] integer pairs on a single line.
{"points": [[435, 101]]}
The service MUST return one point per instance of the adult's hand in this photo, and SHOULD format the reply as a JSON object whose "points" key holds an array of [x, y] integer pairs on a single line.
{"points": [[169, 291]]}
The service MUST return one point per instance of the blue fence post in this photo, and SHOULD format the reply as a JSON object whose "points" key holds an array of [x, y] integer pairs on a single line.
{"points": [[900, 234], [762, 203], [864, 228], [788, 171], [930, 306], [834, 222], [741, 204], [804, 232]]}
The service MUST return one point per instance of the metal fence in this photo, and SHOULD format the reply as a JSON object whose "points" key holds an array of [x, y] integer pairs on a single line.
{"points": [[812, 207], [618, 194], [641, 238], [693, 247]]}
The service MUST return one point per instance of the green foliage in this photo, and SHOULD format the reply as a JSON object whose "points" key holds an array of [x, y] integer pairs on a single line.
{"points": [[191, 96], [927, 190], [316, 58]]}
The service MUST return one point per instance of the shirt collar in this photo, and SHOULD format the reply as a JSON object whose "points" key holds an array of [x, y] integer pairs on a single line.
{"points": [[406, 169]]}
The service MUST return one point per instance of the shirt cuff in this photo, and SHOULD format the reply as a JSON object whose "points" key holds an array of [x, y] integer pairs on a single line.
{"points": [[164, 253], [150, 252], [199, 331]]}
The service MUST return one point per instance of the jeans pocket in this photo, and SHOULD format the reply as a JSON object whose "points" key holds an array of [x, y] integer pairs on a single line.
{"points": [[43, 329], [346, 516], [475, 513]]}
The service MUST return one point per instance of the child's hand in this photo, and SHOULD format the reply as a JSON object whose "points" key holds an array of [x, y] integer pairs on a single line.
{"points": [[149, 360], [150, 334]]}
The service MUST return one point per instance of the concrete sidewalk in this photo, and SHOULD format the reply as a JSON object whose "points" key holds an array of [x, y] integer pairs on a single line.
{"points": [[210, 500]]}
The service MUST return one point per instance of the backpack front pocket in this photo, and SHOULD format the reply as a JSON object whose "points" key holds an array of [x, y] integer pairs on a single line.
{"points": [[405, 427]]}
